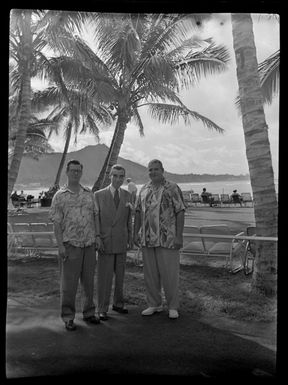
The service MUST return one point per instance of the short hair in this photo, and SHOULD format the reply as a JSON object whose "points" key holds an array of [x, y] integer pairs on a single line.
{"points": [[156, 161], [74, 161], [117, 167], [129, 179]]}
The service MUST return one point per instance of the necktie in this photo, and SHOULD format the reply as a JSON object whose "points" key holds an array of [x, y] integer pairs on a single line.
{"points": [[116, 198]]}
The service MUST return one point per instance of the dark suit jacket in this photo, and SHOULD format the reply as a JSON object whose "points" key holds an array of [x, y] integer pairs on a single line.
{"points": [[115, 225]]}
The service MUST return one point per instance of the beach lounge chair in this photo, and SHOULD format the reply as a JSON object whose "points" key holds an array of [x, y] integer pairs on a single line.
{"points": [[215, 199], [225, 199], [193, 244], [187, 198], [195, 198], [24, 240], [43, 241], [247, 198], [232, 250]]}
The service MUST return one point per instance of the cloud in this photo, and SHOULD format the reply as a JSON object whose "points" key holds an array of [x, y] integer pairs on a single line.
{"points": [[194, 148]]}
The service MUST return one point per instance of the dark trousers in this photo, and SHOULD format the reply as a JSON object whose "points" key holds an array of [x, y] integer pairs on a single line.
{"points": [[109, 265]]}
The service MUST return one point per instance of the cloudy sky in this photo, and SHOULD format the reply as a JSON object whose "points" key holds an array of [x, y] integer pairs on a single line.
{"points": [[195, 149]]}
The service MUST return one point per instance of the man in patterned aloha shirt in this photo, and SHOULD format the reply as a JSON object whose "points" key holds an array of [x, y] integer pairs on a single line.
{"points": [[73, 213], [159, 215]]}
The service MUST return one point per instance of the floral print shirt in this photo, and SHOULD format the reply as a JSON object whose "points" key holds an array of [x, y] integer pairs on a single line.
{"points": [[158, 208], [75, 212]]}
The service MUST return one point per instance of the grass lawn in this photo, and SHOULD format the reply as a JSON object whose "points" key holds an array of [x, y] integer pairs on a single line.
{"points": [[204, 290]]}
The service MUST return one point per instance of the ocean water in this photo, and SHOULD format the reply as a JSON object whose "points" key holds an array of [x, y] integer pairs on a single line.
{"points": [[222, 187]]}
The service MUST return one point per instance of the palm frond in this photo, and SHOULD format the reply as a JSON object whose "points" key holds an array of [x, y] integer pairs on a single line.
{"points": [[168, 113], [269, 72], [137, 119], [210, 60]]}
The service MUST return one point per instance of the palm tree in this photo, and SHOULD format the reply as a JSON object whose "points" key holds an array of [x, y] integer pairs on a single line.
{"points": [[21, 40], [257, 151], [31, 32], [144, 60], [73, 107]]}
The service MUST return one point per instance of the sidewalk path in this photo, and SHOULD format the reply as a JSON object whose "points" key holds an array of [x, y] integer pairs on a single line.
{"points": [[37, 344]]}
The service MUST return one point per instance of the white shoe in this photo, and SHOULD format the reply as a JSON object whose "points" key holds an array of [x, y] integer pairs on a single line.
{"points": [[173, 314], [152, 310]]}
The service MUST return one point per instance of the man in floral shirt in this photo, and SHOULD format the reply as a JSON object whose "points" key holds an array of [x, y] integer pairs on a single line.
{"points": [[73, 213], [159, 215]]}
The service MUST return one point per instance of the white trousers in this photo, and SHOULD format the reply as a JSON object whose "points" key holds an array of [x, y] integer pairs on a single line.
{"points": [[161, 269]]}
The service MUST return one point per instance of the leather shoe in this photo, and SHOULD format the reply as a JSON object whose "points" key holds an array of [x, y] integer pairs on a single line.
{"points": [[92, 320], [103, 316], [173, 314], [120, 310], [70, 326], [151, 310]]}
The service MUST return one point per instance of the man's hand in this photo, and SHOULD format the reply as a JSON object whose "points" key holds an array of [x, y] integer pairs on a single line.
{"points": [[178, 242], [62, 253], [99, 245], [137, 240], [130, 244]]}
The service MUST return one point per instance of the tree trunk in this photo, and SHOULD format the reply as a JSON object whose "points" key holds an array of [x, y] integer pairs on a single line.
{"points": [[115, 147], [99, 182], [114, 150], [25, 104], [62, 162], [258, 153]]}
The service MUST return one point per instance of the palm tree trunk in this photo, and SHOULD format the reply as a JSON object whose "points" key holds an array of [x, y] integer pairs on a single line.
{"points": [[99, 182], [258, 153], [64, 155], [115, 146], [25, 106]]}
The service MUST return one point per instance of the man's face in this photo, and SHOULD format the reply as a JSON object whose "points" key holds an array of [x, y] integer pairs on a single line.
{"points": [[74, 173], [155, 172], [117, 178]]}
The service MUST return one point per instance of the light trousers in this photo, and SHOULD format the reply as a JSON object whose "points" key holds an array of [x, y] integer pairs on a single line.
{"points": [[110, 265], [80, 264], [161, 269]]}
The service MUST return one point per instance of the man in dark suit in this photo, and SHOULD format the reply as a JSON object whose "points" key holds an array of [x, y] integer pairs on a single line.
{"points": [[114, 208]]}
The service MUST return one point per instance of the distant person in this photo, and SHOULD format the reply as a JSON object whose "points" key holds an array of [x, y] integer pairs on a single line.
{"points": [[14, 198], [236, 197], [73, 212], [22, 198], [160, 217], [207, 197], [132, 188], [114, 220]]}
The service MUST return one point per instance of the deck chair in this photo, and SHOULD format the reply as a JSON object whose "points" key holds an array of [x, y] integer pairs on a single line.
{"points": [[192, 245], [41, 241], [247, 198], [195, 198], [24, 240], [215, 199], [250, 251], [231, 249], [225, 199], [187, 198]]}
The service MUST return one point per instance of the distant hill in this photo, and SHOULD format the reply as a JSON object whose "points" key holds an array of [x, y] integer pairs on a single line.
{"points": [[42, 172]]}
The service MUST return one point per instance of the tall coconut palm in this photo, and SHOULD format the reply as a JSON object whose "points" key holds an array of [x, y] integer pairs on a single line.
{"points": [[30, 34], [143, 61], [76, 110], [257, 151], [20, 27]]}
